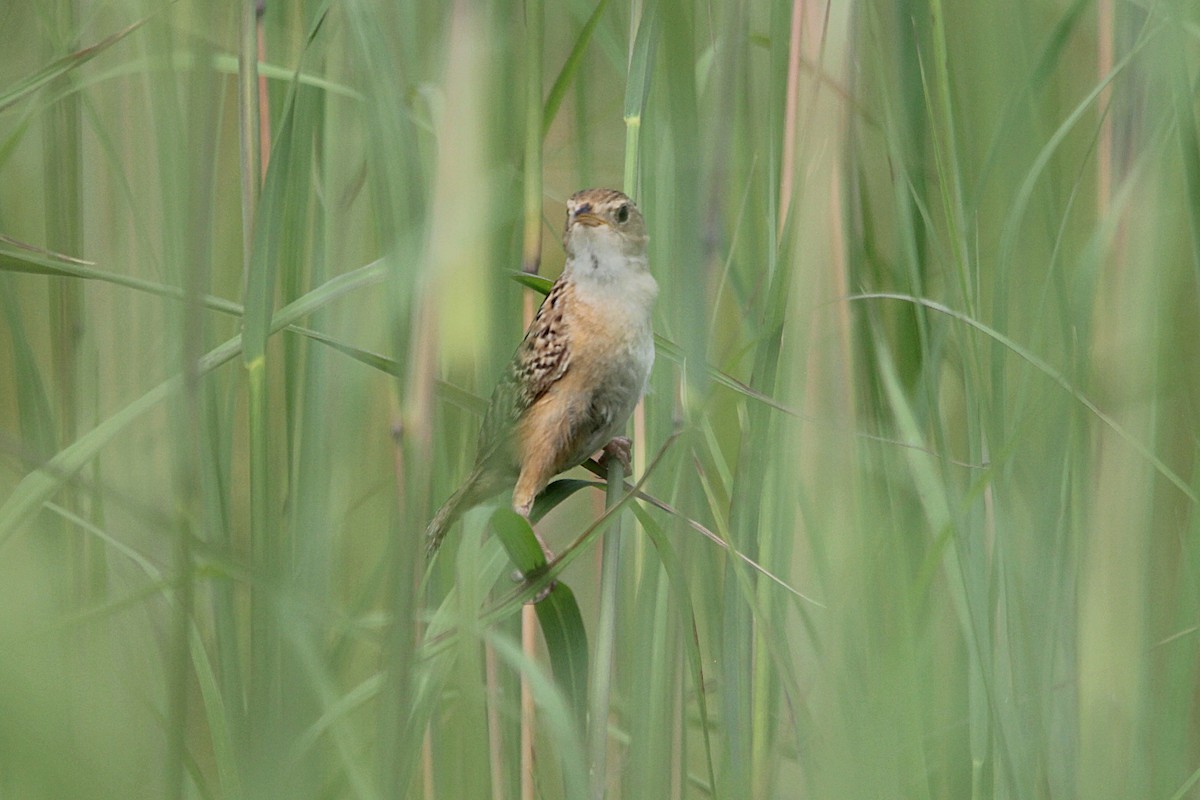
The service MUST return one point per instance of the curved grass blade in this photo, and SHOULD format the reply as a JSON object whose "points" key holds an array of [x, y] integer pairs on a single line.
{"points": [[566, 642], [33, 404], [570, 67], [531, 281], [1050, 372], [683, 599], [554, 711], [557, 492], [595, 468], [220, 735], [517, 537], [40, 485], [30, 84], [446, 390], [1012, 229], [558, 613], [20, 257], [509, 603], [637, 87]]}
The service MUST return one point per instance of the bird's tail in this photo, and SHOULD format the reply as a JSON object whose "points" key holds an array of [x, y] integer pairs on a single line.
{"points": [[439, 526], [470, 494]]}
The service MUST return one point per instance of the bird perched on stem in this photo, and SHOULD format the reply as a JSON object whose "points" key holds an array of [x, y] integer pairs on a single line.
{"points": [[579, 371]]}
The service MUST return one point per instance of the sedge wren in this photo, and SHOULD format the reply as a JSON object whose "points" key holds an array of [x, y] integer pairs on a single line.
{"points": [[579, 371]]}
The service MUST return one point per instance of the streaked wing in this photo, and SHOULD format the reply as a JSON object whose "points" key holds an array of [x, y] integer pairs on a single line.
{"points": [[541, 359]]}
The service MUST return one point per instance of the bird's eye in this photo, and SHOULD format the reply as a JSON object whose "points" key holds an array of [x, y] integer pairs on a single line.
{"points": [[623, 214]]}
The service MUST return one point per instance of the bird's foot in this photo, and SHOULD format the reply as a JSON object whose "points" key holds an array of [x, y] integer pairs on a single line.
{"points": [[543, 593], [521, 577], [618, 448]]}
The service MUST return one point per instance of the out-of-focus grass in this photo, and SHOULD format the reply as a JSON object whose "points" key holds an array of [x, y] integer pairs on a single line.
{"points": [[929, 279]]}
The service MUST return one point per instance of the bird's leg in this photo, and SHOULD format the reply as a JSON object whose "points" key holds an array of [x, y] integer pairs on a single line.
{"points": [[618, 448]]}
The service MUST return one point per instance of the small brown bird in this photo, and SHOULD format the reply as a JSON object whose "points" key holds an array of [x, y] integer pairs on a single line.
{"points": [[579, 371]]}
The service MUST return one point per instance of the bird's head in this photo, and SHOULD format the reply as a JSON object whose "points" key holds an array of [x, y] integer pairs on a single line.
{"points": [[603, 226]]}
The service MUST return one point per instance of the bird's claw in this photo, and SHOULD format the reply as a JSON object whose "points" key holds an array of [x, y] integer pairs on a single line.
{"points": [[520, 577], [619, 449]]}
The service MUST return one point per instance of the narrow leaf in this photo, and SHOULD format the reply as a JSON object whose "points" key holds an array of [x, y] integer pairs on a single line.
{"points": [[30, 84], [557, 492], [518, 539], [566, 642], [570, 68]]}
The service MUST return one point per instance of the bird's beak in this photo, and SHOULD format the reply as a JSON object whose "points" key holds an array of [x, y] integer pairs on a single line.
{"points": [[588, 219]]}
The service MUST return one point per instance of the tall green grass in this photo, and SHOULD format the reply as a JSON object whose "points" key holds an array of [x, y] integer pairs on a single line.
{"points": [[919, 457]]}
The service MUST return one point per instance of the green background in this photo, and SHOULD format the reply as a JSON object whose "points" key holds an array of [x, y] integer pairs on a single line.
{"points": [[930, 291]]}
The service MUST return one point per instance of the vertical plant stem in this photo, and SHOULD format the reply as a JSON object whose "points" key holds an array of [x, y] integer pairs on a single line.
{"points": [[64, 230], [1104, 64], [248, 126], [531, 259], [635, 97], [531, 253], [528, 718], [633, 128], [495, 727], [264, 105], [601, 684], [792, 103], [63, 144], [254, 361], [195, 178], [641, 56], [947, 146], [600, 688]]}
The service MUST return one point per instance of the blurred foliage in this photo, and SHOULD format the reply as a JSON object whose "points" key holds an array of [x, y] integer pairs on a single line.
{"points": [[919, 456]]}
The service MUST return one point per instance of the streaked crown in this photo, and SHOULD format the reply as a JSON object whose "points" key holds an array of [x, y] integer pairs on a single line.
{"points": [[605, 207]]}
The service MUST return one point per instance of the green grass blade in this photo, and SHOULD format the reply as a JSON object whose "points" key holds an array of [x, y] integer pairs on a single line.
{"points": [[566, 643], [39, 486], [33, 404], [556, 715], [1055, 375], [32, 83], [677, 578], [517, 536], [556, 493], [570, 68]]}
